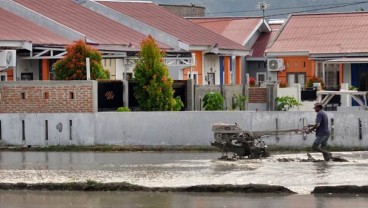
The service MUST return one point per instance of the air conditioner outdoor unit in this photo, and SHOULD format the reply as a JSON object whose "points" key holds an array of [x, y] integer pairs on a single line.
{"points": [[7, 58], [275, 64]]}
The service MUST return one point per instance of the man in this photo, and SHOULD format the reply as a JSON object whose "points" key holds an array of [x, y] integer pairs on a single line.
{"points": [[322, 132]]}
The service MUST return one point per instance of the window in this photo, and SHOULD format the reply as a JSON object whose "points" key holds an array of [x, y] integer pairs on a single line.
{"points": [[294, 78], [2, 77], [261, 78], [26, 76]]}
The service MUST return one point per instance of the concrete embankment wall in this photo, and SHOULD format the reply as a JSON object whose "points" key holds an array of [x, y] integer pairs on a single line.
{"points": [[350, 129]]}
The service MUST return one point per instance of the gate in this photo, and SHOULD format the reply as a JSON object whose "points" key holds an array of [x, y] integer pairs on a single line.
{"points": [[110, 95]]}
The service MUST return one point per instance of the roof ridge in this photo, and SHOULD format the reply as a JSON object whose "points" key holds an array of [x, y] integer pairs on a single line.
{"points": [[329, 13]]}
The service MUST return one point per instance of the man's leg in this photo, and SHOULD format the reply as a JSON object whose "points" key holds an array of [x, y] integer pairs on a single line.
{"points": [[321, 140], [326, 155]]}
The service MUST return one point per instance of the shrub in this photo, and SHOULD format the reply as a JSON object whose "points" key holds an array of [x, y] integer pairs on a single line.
{"points": [[286, 102], [123, 109], [314, 79], [213, 101], [238, 102], [252, 81]]}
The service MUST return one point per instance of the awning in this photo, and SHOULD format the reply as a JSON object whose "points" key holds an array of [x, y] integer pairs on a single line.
{"points": [[348, 60]]}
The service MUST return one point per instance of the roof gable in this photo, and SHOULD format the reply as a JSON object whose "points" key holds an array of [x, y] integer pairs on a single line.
{"points": [[237, 29], [329, 33]]}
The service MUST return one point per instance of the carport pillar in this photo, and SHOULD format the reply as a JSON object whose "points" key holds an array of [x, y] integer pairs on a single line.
{"points": [[45, 69], [227, 69], [341, 74], [238, 70]]}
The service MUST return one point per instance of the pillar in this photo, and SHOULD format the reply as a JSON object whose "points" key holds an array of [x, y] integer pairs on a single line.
{"points": [[238, 70], [45, 69], [227, 69]]}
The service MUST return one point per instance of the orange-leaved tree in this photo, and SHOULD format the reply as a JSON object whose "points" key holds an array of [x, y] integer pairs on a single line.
{"points": [[73, 65], [154, 90]]}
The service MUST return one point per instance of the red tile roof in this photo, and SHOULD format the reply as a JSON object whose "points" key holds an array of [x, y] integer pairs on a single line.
{"points": [[160, 18], [96, 27], [260, 46], [236, 29], [13, 27], [329, 33]]}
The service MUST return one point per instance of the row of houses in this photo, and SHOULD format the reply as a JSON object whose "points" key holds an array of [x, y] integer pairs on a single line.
{"points": [[212, 51]]}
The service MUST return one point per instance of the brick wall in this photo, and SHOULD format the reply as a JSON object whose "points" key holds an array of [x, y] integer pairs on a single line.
{"points": [[48, 97], [257, 95]]}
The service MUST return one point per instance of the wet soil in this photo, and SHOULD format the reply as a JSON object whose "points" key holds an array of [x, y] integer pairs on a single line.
{"points": [[340, 190], [95, 186]]}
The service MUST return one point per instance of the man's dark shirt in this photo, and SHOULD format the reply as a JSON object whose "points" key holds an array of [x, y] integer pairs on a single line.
{"points": [[322, 120]]}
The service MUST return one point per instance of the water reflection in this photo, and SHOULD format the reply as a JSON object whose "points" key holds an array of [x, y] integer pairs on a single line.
{"points": [[43, 199], [322, 169]]}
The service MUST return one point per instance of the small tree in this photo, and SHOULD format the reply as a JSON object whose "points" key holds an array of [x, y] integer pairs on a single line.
{"points": [[73, 65], [213, 101], [154, 90], [284, 103]]}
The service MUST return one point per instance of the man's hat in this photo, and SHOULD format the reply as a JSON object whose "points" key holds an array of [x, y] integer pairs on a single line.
{"points": [[318, 105]]}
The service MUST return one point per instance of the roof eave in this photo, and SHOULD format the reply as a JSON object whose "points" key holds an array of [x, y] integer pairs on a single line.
{"points": [[289, 53], [16, 44]]}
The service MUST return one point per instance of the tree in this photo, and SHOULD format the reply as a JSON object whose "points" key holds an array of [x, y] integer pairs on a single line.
{"points": [[73, 65], [154, 90]]}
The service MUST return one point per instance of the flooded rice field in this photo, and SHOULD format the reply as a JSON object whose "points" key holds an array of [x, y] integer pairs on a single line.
{"points": [[177, 169]]}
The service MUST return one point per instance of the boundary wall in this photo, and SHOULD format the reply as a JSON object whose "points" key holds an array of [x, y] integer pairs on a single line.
{"points": [[349, 129], [48, 97]]}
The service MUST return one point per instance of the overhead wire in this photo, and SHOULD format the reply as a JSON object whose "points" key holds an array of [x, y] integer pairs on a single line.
{"points": [[285, 8]]}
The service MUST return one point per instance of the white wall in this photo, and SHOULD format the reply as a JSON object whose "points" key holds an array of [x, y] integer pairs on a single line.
{"points": [[347, 73], [28, 66], [212, 61], [173, 128]]}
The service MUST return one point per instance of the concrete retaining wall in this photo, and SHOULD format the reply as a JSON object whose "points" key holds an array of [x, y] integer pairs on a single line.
{"points": [[350, 129]]}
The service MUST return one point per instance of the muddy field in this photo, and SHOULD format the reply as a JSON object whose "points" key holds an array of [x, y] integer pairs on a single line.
{"points": [[175, 170]]}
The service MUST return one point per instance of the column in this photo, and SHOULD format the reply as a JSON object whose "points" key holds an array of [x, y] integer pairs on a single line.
{"points": [[227, 69], [238, 70], [45, 69]]}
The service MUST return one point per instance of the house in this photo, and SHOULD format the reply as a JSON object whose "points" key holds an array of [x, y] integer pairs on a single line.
{"points": [[116, 28], [331, 46], [252, 33]]}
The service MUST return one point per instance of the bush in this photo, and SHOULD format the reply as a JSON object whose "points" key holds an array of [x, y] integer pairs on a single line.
{"points": [[213, 101], [252, 81], [123, 109], [314, 80], [238, 102], [286, 102]]}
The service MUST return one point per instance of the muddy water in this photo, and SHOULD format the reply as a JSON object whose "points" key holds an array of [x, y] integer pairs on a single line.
{"points": [[42, 199], [181, 169]]}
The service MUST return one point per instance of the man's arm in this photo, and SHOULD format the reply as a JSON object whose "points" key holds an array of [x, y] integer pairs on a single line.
{"points": [[318, 122]]}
